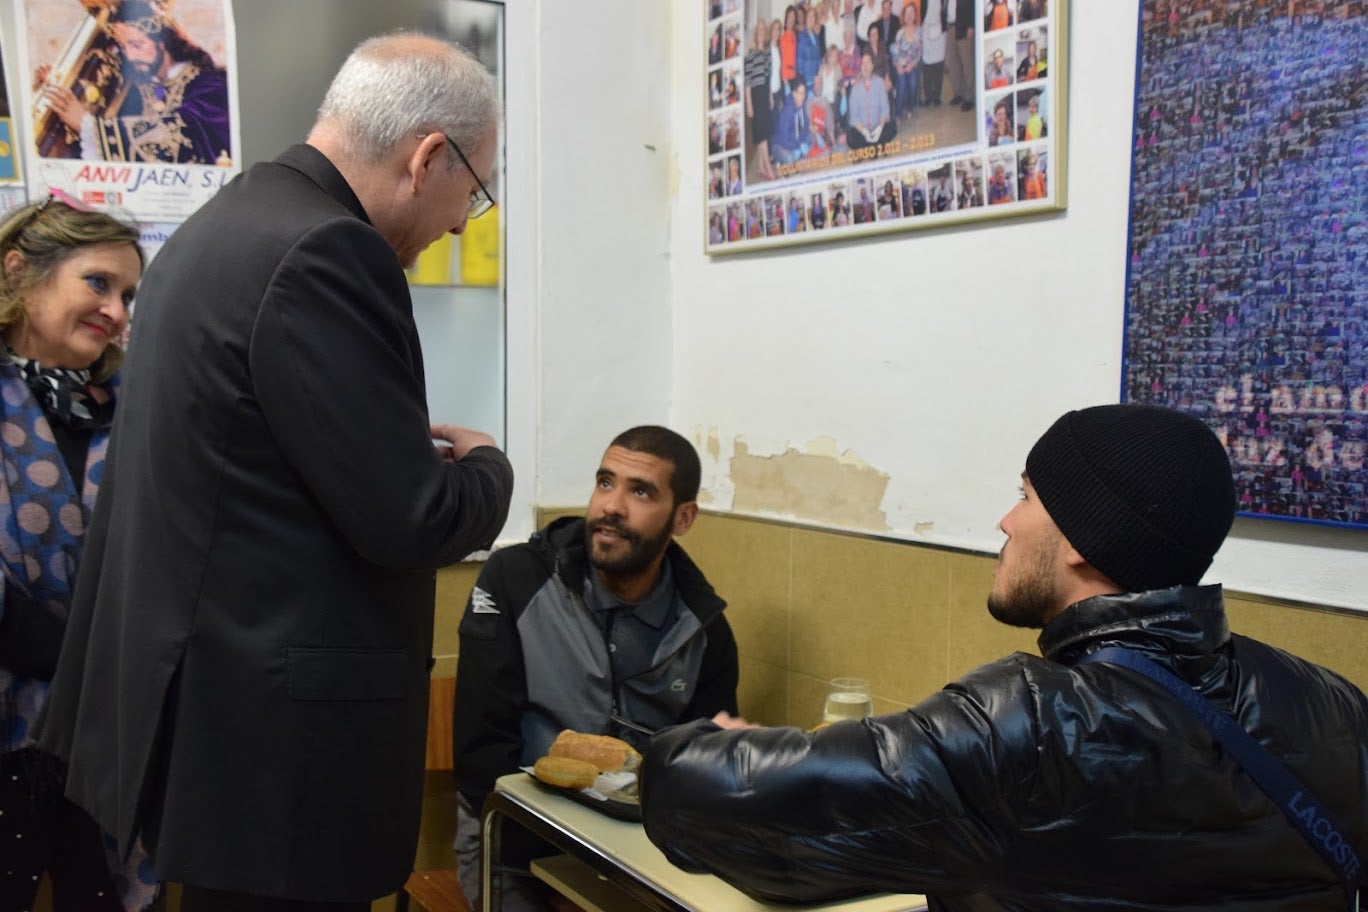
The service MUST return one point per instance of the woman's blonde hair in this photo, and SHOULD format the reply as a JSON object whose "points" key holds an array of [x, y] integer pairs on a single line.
{"points": [[47, 233]]}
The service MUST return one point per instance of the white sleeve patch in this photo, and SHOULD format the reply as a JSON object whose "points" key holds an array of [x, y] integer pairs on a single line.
{"points": [[482, 602]]}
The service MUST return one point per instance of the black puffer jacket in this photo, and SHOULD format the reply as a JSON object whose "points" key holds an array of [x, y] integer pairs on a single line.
{"points": [[1032, 784]]}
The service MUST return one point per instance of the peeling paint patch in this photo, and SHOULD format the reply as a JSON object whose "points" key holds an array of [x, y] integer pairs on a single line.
{"points": [[821, 485], [923, 528], [705, 497], [714, 445]]}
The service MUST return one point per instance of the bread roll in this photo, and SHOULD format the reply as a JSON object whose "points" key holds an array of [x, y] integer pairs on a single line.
{"points": [[565, 772], [608, 754]]}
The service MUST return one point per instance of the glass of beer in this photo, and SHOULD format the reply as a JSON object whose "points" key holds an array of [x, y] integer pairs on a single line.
{"points": [[847, 698]]}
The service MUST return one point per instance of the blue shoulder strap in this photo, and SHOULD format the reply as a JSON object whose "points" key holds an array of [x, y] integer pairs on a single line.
{"points": [[1270, 774]]}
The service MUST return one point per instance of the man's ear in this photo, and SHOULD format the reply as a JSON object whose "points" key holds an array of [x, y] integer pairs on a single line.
{"points": [[684, 517], [1072, 557], [1087, 579], [428, 155]]}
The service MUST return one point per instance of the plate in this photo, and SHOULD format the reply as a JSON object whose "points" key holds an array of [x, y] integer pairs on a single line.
{"points": [[622, 810]]}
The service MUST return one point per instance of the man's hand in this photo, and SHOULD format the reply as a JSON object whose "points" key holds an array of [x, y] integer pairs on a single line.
{"points": [[65, 105], [462, 440], [725, 719]]}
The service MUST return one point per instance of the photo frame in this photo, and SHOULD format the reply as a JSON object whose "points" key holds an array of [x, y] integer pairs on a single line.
{"points": [[1246, 286], [940, 125]]}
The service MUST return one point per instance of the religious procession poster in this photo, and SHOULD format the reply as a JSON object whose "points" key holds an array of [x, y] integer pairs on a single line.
{"points": [[951, 111], [130, 104]]}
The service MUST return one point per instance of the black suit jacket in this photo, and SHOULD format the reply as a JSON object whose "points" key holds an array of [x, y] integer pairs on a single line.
{"points": [[244, 676], [888, 30]]}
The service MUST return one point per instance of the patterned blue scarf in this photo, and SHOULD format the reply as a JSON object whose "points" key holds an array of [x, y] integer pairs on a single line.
{"points": [[42, 526], [64, 394]]}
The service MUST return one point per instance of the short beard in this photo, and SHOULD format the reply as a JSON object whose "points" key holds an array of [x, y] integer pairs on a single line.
{"points": [[146, 72], [1033, 596], [1025, 606], [640, 554]]}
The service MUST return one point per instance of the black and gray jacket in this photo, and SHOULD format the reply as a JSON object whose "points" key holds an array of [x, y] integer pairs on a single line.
{"points": [[535, 659]]}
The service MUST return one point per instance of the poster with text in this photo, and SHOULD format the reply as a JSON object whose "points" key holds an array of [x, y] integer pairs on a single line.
{"points": [[1247, 282], [830, 119], [130, 103]]}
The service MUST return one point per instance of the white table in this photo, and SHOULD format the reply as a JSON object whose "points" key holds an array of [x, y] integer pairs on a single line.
{"points": [[618, 852]]}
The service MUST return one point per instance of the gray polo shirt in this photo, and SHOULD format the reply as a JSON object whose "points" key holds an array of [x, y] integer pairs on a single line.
{"points": [[633, 632]]}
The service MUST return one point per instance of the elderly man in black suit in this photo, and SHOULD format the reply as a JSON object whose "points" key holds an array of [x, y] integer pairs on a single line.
{"points": [[244, 678]]}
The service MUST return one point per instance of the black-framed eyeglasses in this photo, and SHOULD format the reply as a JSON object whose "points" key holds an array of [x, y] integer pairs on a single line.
{"points": [[481, 201]]}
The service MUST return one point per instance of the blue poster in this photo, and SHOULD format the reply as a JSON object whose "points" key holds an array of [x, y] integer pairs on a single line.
{"points": [[9, 162], [1247, 283]]}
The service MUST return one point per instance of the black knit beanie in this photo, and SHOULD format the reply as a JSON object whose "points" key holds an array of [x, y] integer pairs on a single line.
{"points": [[1143, 493]]}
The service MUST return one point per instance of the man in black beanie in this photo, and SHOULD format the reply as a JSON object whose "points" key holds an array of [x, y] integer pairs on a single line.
{"points": [[1135, 496], [1065, 781]]}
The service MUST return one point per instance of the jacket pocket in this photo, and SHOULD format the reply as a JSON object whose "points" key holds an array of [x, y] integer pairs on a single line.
{"points": [[345, 674]]}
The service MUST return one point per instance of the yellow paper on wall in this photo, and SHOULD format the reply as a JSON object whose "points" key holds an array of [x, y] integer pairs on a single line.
{"points": [[480, 250], [434, 264]]}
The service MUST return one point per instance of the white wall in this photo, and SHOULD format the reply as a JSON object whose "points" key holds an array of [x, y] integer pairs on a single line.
{"points": [[938, 357], [603, 211]]}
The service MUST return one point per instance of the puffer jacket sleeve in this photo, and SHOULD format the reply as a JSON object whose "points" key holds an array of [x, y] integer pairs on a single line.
{"points": [[921, 801]]}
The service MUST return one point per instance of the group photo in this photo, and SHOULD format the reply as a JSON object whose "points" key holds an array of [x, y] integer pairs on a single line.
{"points": [[829, 89], [825, 78]]}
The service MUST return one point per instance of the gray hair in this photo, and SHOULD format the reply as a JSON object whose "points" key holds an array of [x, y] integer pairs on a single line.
{"points": [[405, 82]]}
